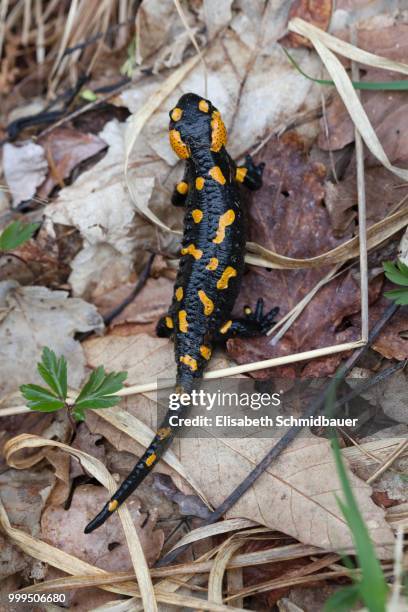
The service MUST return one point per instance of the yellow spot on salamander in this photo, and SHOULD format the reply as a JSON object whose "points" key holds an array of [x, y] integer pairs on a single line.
{"points": [[163, 432], [207, 303], [217, 175], [199, 183], [182, 187], [169, 322], [218, 132], [113, 505], [248, 310], [212, 264], [228, 273], [205, 351], [189, 361], [178, 146], [203, 106], [179, 294], [226, 327], [226, 219], [197, 215], [192, 250], [183, 325], [151, 459], [176, 114], [241, 174]]}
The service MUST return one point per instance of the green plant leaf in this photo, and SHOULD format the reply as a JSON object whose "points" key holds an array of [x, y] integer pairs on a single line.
{"points": [[402, 267], [16, 234], [41, 399], [397, 275], [399, 296], [54, 372], [343, 599], [370, 85], [99, 389], [88, 95]]}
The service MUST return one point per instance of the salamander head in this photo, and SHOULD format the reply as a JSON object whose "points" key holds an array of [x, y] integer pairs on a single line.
{"points": [[195, 121]]}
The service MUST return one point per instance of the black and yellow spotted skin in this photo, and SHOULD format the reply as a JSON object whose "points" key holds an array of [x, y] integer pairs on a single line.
{"points": [[211, 262]]}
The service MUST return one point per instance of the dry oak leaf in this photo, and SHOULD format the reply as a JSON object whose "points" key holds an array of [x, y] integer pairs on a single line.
{"points": [[288, 216], [296, 494], [106, 547]]}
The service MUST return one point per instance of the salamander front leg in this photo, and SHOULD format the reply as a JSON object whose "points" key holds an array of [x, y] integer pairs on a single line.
{"points": [[254, 323], [165, 327], [180, 192], [250, 174]]}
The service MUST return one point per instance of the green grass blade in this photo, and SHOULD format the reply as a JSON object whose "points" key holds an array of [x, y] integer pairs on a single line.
{"points": [[372, 586]]}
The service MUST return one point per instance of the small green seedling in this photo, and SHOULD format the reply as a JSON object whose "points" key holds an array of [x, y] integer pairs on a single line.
{"points": [[369, 583], [97, 392], [398, 274], [15, 234]]}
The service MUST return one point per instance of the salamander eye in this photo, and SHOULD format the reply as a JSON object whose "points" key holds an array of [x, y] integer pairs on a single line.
{"points": [[178, 146], [203, 106], [218, 132]]}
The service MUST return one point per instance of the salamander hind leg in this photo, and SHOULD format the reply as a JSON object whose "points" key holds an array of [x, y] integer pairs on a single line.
{"points": [[250, 174], [254, 323]]}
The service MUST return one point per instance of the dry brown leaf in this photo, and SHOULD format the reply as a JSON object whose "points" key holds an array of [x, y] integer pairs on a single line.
{"points": [[392, 342], [25, 168], [106, 547], [149, 306], [65, 149], [296, 495], [311, 11], [23, 494], [30, 318], [383, 191]]}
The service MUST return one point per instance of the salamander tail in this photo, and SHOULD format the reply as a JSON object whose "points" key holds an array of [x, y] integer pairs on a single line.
{"points": [[153, 453]]}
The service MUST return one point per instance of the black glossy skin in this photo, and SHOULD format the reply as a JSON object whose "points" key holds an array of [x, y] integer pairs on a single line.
{"points": [[203, 330]]}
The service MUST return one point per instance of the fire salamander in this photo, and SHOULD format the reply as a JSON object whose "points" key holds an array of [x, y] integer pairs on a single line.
{"points": [[211, 264]]}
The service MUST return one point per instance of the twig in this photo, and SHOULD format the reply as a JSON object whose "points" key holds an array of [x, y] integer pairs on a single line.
{"points": [[291, 434]]}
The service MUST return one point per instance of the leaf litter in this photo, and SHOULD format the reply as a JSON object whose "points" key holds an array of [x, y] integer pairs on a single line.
{"points": [[241, 75]]}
